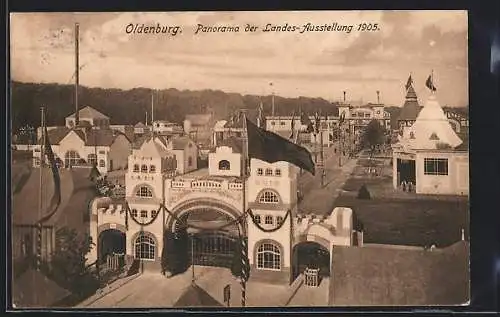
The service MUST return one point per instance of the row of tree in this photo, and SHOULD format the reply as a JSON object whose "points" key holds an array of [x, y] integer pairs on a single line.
{"points": [[130, 106]]}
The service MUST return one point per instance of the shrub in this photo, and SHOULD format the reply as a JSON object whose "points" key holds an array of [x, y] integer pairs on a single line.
{"points": [[363, 193]]}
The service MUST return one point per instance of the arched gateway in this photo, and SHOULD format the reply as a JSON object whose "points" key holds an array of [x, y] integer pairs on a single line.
{"points": [[208, 230]]}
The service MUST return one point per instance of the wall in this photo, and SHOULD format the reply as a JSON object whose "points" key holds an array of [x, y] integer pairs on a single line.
{"points": [[443, 184], [119, 152], [234, 161]]}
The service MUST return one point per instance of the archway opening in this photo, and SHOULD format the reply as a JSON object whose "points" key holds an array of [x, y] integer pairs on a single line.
{"points": [[111, 241], [311, 255], [204, 236]]}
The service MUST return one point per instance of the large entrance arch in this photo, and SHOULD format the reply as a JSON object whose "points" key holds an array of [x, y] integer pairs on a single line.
{"points": [[209, 234], [110, 241], [310, 254]]}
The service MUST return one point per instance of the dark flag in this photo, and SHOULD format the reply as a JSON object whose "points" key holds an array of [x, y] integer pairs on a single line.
{"points": [[409, 82], [293, 126], [56, 198], [342, 118], [429, 84], [270, 147], [304, 119]]}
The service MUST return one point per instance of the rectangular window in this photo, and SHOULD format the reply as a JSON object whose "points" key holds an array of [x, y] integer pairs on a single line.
{"points": [[433, 166], [102, 152], [144, 213], [269, 172], [259, 171], [154, 213], [277, 172], [102, 163], [134, 212], [273, 123], [269, 220]]}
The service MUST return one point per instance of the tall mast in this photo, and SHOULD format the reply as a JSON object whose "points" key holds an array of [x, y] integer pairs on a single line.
{"points": [[433, 90], [40, 202], [77, 71], [152, 107]]}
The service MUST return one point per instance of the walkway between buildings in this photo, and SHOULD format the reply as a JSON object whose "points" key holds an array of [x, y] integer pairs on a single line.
{"points": [[312, 296]]}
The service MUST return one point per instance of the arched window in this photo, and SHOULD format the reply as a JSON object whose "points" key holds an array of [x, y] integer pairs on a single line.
{"points": [[269, 172], [144, 191], [268, 257], [136, 168], [152, 169], [269, 197], [224, 165], [144, 168], [71, 158], [92, 159], [144, 247]]}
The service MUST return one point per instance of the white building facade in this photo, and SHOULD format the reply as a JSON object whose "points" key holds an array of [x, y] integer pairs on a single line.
{"points": [[261, 207]]}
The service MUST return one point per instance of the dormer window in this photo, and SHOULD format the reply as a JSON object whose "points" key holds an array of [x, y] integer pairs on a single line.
{"points": [[224, 165], [136, 168], [269, 172], [144, 168]]}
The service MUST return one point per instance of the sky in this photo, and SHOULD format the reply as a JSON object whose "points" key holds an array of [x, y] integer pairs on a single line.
{"points": [[312, 64]]}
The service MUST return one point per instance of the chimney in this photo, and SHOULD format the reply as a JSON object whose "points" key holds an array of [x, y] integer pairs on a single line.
{"points": [[344, 96], [378, 97]]}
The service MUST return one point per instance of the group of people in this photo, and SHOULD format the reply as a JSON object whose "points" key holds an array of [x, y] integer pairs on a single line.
{"points": [[407, 186]]}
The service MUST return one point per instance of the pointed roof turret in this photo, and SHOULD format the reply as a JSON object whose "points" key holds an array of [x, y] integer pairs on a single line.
{"points": [[411, 108], [432, 129]]}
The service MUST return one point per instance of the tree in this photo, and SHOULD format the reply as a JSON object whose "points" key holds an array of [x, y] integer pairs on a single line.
{"points": [[363, 193], [68, 264], [373, 136]]}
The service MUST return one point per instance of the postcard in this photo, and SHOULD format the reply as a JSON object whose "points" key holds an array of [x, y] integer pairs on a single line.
{"points": [[239, 159]]}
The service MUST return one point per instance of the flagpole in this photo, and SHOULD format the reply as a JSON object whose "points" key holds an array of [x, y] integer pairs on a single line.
{"points": [[433, 90], [40, 201], [244, 253]]}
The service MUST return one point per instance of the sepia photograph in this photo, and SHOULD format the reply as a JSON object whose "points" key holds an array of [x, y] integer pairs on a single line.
{"points": [[239, 159]]}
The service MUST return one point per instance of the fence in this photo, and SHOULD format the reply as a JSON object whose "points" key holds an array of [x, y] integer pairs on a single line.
{"points": [[311, 277]]}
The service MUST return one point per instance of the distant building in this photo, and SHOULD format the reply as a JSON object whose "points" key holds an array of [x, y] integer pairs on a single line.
{"points": [[357, 118], [182, 147], [89, 115], [232, 126], [165, 127], [141, 129], [106, 148], [431, 155], [126, 129]]}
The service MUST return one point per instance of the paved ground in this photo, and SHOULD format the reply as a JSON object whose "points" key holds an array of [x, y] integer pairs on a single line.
{"points": [[320, 199], [156, 291]]}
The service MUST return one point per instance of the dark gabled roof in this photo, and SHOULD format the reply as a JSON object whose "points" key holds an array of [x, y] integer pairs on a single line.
{"points": [[76, 192], [35, 290], [195, 296], [56, 134], [91, 137], [180, 143]]}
